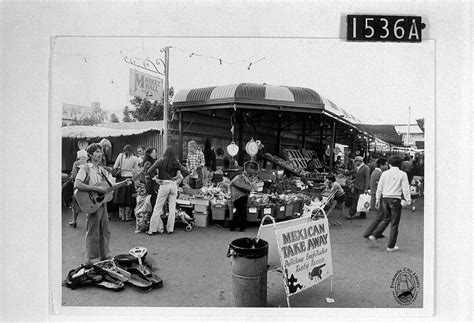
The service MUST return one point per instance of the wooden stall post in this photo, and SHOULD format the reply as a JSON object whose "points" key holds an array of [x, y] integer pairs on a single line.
{"points": [[180, 128], [333, 142], [278, 137], [303, 136]]}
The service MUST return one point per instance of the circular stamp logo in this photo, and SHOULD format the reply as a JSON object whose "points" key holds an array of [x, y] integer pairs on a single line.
{"points": [[405, 286]]}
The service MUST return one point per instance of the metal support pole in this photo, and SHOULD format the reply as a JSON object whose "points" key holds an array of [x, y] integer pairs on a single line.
{"points": [[278, 143], [333, 143], [166, 100], [321, 134], [180, 127], [303, 136]]}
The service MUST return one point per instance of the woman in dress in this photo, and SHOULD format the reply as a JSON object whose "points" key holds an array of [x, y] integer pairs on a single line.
{"points": [[124, 196], [81, 160], [167, 168]]}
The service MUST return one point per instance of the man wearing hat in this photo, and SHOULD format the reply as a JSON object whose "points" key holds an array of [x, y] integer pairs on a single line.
{"points": [[361, 173]]}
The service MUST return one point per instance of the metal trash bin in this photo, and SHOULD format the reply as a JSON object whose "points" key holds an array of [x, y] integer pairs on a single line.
{"points": [[249, 272]]}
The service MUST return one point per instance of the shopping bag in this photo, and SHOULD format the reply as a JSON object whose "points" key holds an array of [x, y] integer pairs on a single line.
{"points": [[363, 204]]}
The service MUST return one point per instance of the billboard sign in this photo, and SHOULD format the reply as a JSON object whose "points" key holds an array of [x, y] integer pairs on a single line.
{"points": [[146, 86]]}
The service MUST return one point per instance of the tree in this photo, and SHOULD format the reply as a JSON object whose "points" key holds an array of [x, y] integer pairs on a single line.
{"points": [[114, 118], [146, 110], [126, 115]]}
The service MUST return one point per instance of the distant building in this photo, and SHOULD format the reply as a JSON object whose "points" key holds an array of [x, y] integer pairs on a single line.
{"points": [[416, 135], [72, 113]]}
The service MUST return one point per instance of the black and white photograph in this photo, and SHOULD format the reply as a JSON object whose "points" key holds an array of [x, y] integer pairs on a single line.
{"points": [[243, 161]]}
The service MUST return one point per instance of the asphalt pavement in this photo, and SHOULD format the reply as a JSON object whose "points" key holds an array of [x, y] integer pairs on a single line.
{"points": [[197, 273]]}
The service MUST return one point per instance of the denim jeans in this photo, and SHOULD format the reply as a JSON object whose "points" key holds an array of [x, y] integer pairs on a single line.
{"points": [[391, 210], [168, 191], [374, 224], [97, 235]]}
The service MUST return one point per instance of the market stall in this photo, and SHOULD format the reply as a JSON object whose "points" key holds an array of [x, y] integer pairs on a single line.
{"points": [[296, 126], [119, 134]]}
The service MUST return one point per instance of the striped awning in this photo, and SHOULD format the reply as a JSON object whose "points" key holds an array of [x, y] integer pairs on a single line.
{"points": [[251, 94]]}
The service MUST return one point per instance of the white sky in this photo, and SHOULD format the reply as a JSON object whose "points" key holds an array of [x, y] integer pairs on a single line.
{"points": [[376, 82]]}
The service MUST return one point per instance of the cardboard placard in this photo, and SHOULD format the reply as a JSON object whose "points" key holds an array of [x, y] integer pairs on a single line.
{"points": [[305, 255]]}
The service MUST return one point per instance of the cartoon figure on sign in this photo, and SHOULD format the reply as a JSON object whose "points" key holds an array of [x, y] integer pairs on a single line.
{"points": [[291, 283], [316, 272]]}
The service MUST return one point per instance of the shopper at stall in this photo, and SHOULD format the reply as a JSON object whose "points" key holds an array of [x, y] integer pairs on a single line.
{"points": [[167, 169], [220, 158], [334, 187], [240, 188], [381, 166], [124, 196], [361, 175], [81, 160], [97, 223], [407, 167], [151, 186], [140, 155], [195, 164], [393, 184]]}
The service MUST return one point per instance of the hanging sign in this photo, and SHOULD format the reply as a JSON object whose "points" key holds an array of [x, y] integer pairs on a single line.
{"points": [[146, 86], [305, 255]]}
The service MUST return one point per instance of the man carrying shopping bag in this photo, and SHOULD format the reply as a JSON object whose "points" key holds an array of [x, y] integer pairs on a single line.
{"points": [[392, 186], [361, 174]]}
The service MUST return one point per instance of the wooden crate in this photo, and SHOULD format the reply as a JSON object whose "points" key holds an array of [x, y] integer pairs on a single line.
{"points": [[279, 212], [289, 209], [218, 212], [201, 220], [253, 214]]}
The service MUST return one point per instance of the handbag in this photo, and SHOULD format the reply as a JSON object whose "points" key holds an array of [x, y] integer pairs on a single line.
{"points": [[363, 204], [116, 171]]}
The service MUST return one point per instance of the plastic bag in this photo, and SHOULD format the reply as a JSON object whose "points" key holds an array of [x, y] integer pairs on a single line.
{"points": [[363, 204]]}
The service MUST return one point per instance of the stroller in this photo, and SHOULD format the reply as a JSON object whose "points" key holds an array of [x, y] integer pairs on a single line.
{"points": [[144, 210], [181, 217], [416, 190]]}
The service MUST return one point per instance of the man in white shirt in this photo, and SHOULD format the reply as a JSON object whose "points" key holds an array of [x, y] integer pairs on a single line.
{"points": [[392, 184]]}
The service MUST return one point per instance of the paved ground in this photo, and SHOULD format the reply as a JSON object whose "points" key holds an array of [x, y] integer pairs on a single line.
{"points": [[197, 273]]}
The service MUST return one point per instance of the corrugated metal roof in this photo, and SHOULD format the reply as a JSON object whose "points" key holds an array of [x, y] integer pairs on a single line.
{"points": [[305, 95], [181, 95], [250, 91], [224, 92], [281, 93], [200, 94]]}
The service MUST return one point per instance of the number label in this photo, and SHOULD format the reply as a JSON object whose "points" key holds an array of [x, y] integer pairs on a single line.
{"points": [[384, 28]]}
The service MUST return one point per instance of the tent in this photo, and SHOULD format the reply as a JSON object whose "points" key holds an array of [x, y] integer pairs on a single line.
{"points": [[146, 133]]}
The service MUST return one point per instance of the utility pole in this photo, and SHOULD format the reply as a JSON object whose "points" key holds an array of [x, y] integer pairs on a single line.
{"points": [[151, 66], [408, 127], [166, 100]]}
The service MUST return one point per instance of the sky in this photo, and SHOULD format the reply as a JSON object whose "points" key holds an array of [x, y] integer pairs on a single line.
{"points": [[376, 82]]}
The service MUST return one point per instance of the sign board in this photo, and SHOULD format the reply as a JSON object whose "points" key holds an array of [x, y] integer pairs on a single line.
{"points": [[384, 28], [305, 255], [146, 86], [267, 233]]}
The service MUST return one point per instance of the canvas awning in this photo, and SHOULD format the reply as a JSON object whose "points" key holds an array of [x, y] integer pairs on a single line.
{"points": [[84, 132]]}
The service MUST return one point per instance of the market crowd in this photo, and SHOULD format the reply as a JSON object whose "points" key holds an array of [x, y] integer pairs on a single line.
{"points": [[145, 187]]}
